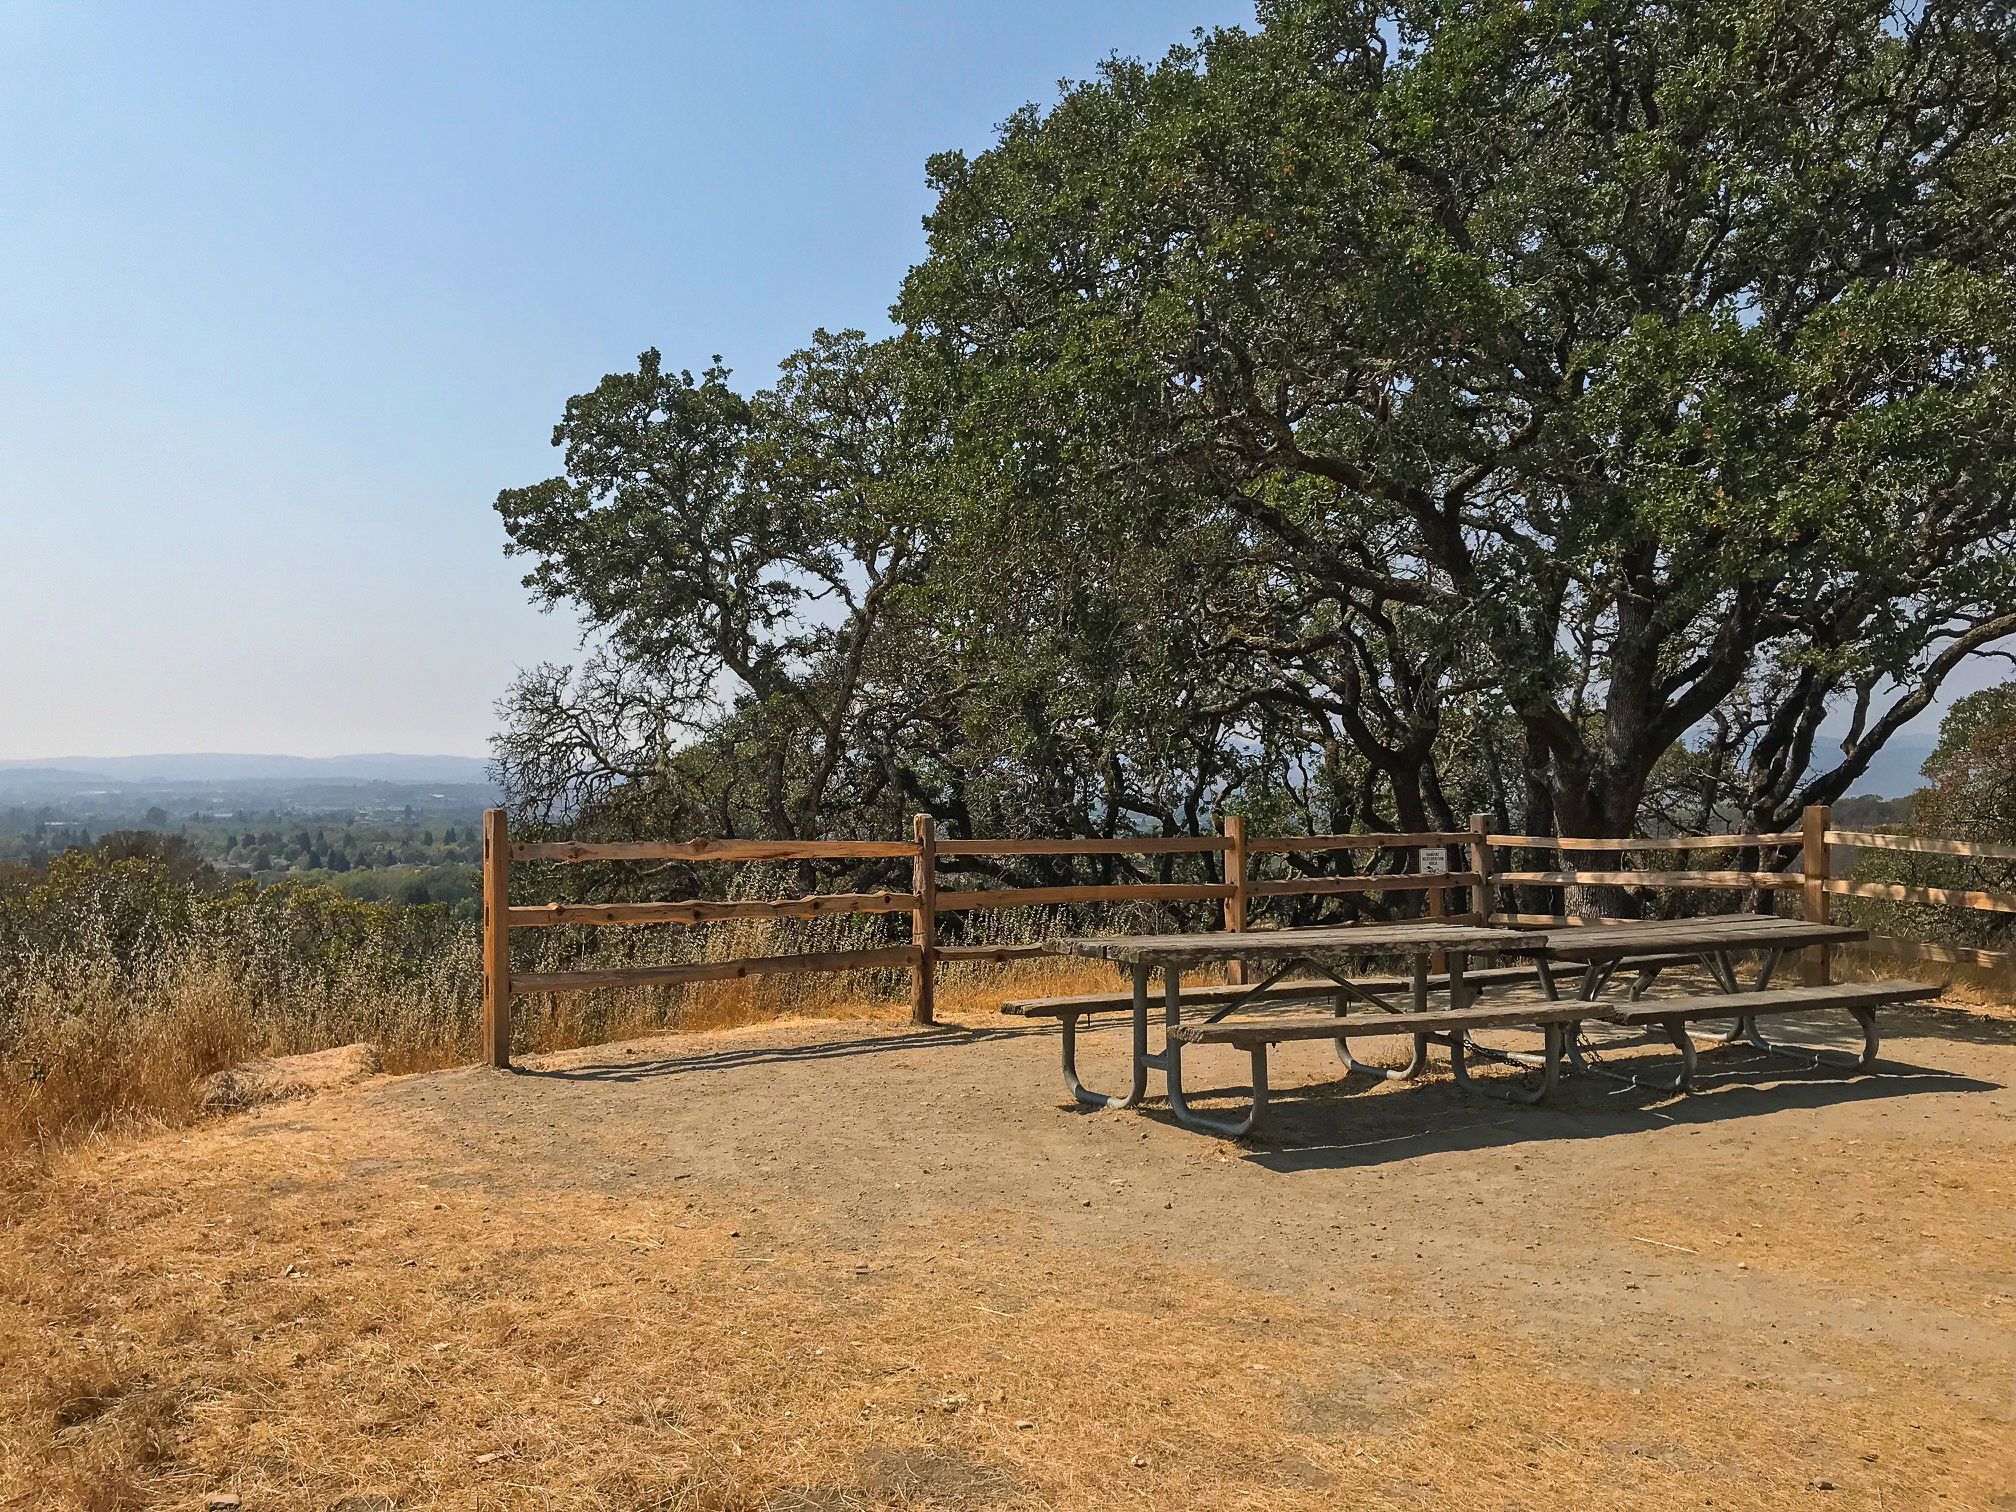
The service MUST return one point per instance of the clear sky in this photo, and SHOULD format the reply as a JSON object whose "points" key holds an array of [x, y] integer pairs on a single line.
{"points": [[288, 292]]}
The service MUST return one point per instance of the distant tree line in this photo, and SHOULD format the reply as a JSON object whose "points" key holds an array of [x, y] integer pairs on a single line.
{"points": [[378, 862], [1598, 415]]}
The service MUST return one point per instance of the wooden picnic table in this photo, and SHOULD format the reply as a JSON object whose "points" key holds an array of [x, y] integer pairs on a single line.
{"points": [[1334, 953], [1598, 949], [1652, 944]]}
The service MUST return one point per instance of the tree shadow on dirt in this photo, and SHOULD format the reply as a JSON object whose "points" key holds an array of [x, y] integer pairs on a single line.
{"points": [[649, 1067], [1937, 1021]]}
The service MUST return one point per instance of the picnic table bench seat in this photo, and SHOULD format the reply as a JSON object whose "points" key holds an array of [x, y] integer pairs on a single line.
{"points": [[1859, 1000], [1555, 1019]]}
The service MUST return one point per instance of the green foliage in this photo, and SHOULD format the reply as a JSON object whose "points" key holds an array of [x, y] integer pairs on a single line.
{"points": [[1970, 795], [134, 915], [1598, 359], [1971, 773], [746, 561], [1555, 408]]}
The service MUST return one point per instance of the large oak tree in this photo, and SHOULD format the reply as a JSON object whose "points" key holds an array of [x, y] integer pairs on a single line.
{"points": [[1617, 368]]}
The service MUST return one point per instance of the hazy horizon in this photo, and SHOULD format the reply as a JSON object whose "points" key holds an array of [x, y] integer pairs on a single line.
{"points": [[1893, 774]]}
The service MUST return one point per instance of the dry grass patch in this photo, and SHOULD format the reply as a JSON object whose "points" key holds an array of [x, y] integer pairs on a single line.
{"points": [[1938, 1228], [92, 1055], [313, 1305]]}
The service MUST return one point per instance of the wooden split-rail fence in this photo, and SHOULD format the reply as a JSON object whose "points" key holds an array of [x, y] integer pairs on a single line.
{"points": [[1480, 879]]}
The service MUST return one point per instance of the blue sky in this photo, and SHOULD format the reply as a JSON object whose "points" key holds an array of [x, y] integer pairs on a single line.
{"points": [[288, 292]]}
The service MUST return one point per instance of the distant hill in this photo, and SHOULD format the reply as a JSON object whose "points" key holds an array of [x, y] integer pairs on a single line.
{"points": [[217, 767], [1894, 773]]}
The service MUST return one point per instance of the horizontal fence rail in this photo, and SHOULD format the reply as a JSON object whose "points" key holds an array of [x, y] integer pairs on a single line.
{"points": [[719, 971], [1425, 854], [1924, 845], [1280, 843], [711, 850], [710, 911], [1948, 897], [1951, 897], [1117, 892], [1644, 843], [1739, 879], [1145, 845]]}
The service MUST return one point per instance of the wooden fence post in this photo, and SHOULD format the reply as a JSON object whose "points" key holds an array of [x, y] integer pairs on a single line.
{"points": [[1816, 867], [494, 1043], [1480, 863], [1235, 878], [924, 921]]}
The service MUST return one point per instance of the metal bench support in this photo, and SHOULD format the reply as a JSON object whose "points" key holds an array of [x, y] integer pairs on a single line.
{"points": [[1746, 1032], [1417, 1061], [1139, 1085], [1582, 1060], [1550, 1068], [1170, 1062]]}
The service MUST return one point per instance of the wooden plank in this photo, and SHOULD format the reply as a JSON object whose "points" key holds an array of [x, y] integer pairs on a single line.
{"points": [[1773, 1001], [1600, 941], [1533, 1014], [1952, 955], [1337, 944], [1924, 845], [1279, 843], [711, 910], [702, 848], [1544, 919], [1644, 842], [1898, 892], [1126, 845], [1037, 897], [1372, 1024], [495, 1033], [1298, 989], [1717, 879], [1373, 882], [716, 971], [924, 920]]}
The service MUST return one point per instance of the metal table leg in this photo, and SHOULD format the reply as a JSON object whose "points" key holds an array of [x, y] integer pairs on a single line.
{"points": [[1460, 1048], [1550, 988], [1550, 1070], [1138, 1087], [1418, 1061], [1169, 1060]]}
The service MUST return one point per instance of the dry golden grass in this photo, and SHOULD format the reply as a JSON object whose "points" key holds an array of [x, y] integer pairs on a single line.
{"points": [[1990, 992], [195, 1314], [92, 1050], [1936, 1230]]}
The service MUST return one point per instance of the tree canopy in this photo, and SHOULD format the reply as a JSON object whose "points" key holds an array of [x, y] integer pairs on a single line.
{"points": [[1563, 409]]}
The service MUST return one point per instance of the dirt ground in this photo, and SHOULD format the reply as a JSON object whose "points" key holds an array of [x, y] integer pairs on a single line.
{"points": [[835, 1265]]}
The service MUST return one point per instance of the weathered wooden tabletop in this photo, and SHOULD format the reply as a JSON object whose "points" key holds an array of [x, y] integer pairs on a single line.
{"points": [[1304, 944], [1583, 942]]}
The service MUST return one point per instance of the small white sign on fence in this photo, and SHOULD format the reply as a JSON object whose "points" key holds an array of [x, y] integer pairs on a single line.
{"points": [[1434, 860]]}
